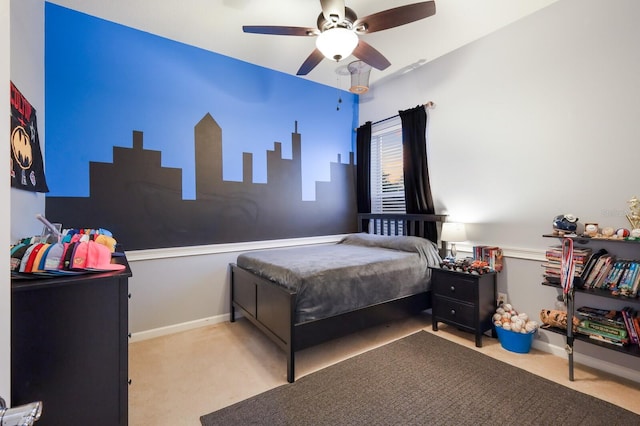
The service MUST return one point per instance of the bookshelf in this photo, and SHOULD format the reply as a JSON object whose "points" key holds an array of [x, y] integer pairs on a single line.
{"points": [[631, 349]]}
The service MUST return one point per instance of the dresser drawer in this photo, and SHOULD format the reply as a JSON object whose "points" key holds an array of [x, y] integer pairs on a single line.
{"points": [[457, 286], [454, 312]]}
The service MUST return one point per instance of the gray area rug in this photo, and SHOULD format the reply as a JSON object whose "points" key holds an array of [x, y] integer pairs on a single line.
{"points": [[422, 379]]}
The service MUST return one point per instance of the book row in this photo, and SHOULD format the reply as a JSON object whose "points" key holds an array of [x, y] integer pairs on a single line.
{"points": [[610, 326], [600, 270], [491, 255]]}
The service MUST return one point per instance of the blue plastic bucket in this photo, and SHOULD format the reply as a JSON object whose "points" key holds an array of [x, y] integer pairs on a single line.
{"points": [[515, 342]]}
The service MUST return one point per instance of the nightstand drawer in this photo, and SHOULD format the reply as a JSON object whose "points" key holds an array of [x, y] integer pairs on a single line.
{"points": [[455, 312], [457, 286]]}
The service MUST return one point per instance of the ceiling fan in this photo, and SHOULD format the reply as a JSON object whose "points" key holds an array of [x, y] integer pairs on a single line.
{"points": [[338, 28]]}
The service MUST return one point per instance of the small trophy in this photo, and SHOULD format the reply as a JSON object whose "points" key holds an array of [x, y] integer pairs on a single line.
{"points": [[634, 212]]}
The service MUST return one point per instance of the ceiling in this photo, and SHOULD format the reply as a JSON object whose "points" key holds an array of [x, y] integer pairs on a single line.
{"points": [[216, 25]]}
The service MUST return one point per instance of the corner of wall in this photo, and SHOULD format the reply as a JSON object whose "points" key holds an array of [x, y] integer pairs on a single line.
{"points": [[22, 43], [5, 292], [26, 52]]}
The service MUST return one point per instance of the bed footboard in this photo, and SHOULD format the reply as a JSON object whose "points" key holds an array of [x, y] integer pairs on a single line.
{"points": [[271, 308], [268, 306]]}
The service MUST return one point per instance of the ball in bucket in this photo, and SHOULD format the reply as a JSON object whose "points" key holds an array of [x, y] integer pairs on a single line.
{"points": [[515, 330]]}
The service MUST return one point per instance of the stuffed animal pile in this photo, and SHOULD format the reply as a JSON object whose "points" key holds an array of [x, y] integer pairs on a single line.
{"points": [[509, 319]]}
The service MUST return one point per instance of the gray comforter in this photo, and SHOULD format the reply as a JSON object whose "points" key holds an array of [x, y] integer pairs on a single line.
{"points": [[358, 271]]}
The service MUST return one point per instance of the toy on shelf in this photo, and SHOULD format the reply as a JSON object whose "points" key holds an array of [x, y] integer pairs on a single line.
{"points": [[569, 225], [557, 318], [566, 224], [634, 218]]}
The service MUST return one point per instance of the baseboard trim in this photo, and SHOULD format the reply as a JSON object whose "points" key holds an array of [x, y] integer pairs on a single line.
{"points": [[176, 328], [596, 363]]}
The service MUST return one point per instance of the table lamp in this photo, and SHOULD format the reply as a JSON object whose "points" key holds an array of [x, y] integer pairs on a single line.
{"points": [[453, 233]]}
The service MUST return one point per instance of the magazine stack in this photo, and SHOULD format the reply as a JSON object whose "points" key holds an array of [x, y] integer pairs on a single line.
{"points": [[554, 259]]}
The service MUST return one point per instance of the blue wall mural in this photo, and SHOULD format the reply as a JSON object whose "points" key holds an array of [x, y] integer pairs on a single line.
{"points": [[169, 145]]}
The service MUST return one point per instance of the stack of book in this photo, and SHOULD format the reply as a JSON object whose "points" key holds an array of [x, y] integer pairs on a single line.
{"points": [[554, 262], [603, 325], [620, 276], [490, 254]]}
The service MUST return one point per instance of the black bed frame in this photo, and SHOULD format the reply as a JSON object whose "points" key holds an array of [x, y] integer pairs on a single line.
{"points": [[271, 307]]}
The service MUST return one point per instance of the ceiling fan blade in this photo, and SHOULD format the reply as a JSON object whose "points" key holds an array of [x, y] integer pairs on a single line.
{"points": [[275, 30], [311, 62], [395, 17], [333, 10], [371, 56]]}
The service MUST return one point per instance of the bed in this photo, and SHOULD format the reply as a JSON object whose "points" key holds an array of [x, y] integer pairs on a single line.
{"points": [[303, 296]]}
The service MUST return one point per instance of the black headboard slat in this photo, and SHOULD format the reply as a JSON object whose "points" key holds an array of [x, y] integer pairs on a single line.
{"points": [[401, 224]]}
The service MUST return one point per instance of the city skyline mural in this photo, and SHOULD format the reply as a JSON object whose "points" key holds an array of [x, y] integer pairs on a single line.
{"points": [[121, 99], [142, 202]]}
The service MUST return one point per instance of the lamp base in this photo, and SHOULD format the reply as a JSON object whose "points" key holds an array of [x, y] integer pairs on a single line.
{"points": [[454, 252]]}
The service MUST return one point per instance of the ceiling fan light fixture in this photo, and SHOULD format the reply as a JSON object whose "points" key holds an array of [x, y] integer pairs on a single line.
{"points": [[337, 43]]}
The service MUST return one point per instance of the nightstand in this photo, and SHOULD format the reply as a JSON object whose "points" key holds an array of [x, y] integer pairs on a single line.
{"points": [[463, 300]]}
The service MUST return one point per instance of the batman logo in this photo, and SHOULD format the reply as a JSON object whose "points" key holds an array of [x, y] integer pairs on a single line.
{"points": [[21, 147]]}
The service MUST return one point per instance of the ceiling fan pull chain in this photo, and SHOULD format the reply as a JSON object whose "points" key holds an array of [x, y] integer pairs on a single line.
{"points": [[338, 92]]}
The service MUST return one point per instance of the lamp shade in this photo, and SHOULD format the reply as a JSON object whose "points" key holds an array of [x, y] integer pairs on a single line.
{"points": [[359, 71], [453, 232], [337, 43]]}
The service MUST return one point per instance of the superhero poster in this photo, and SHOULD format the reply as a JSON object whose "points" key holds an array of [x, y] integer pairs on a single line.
{"points": [[27, 169]]}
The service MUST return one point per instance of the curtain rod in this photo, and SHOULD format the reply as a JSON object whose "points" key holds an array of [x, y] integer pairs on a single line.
{"points": [[428, 105]]}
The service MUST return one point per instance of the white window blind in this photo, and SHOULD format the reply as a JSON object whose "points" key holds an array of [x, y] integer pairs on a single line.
{"points": [[387, 178]]}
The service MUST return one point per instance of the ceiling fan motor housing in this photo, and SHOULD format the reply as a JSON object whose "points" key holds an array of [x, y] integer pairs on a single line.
{"points": [[349, 18]]}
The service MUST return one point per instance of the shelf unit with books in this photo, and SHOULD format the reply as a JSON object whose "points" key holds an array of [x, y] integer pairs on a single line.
{"points": [[632, 349]]}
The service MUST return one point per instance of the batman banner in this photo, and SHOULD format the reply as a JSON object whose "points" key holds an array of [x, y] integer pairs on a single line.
{"points": [[27, 169]]}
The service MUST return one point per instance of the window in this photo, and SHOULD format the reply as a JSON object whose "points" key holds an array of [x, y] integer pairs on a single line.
{"points": [[387, 177]]}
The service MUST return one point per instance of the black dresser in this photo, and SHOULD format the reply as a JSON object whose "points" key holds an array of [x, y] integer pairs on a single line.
{"points": [[69, 338]]}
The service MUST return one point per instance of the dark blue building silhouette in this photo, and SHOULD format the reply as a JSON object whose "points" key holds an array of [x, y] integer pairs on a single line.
{"points": [[141, 202]]}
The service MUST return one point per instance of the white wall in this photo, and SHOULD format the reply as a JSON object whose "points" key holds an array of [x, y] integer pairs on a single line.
{"points": [[27, 73], [534, 120], [5, 199], [178, 290], [22, 23]]}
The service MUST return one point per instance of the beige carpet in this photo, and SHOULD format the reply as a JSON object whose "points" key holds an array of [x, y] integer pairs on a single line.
{"points": [[180, 377]]}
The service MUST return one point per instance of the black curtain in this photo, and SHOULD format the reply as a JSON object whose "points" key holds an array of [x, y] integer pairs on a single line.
{"points": [[417, 190], [363, 167]]}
